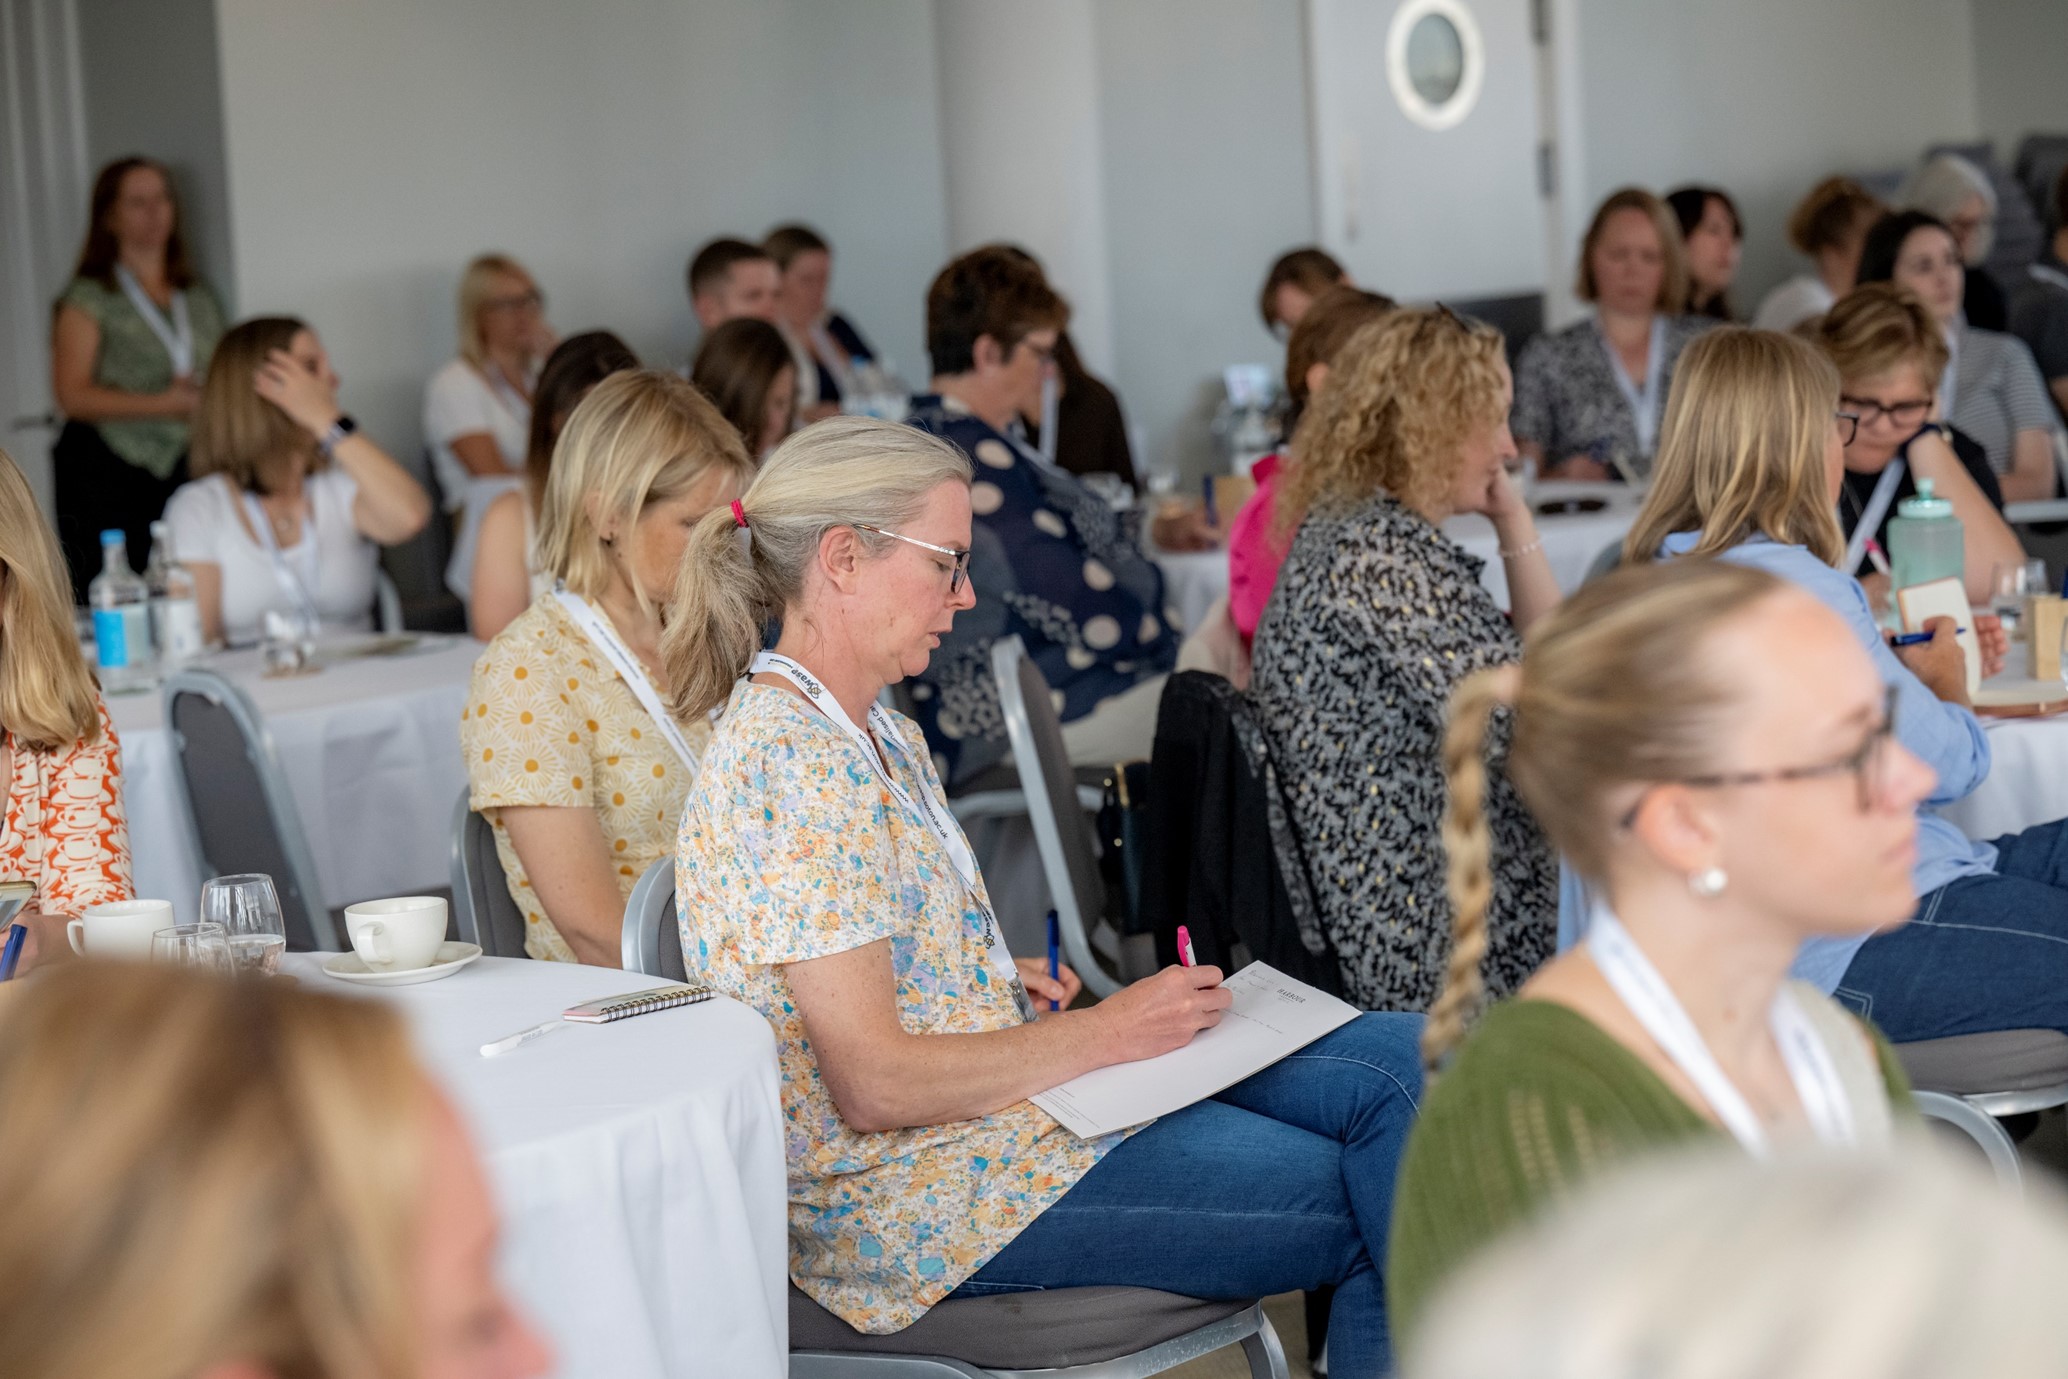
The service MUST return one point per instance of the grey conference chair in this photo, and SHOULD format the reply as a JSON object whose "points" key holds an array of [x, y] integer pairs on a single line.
{"points": [[652, 943], [482, 910], [1089, 1333], [1062, 835], [240, 811], [1969, 1080]]}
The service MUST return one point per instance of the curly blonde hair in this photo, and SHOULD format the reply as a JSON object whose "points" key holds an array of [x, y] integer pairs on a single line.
{"points": [[1400, 400]]}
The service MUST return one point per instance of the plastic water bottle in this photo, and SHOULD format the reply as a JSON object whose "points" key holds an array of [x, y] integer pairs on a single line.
{"points": [[1924, 540], [121, 605], [175, 613]]}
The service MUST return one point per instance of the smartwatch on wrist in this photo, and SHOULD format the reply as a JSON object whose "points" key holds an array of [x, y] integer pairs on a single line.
{"points": [[330, 440]]}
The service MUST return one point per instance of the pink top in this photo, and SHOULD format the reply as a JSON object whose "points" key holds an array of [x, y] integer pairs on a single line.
{"points": [[1254, 554]]}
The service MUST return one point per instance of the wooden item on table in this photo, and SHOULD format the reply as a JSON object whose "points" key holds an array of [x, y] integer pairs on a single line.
{"points": [[1231, 491], [2043, 618]]}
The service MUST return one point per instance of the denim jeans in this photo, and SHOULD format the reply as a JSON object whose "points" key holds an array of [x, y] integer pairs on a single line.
{"points": [[1283, 1181], [1981, 953]]}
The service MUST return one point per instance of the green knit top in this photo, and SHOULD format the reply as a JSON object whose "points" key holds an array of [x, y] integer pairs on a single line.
{"points": [[132, 360], [1537, 1101]]}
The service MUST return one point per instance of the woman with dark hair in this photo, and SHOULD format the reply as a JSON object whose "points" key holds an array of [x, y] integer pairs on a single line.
{"points": [[1296, 278], [1826, 226], [828, 349], [1714, 235], [1990, 389], [130, 340], [506, 571], [744, 367]]}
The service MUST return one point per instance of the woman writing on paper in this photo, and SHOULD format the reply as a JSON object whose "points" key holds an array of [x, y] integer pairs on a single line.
{"points": [[571, 752], [821, 880]]}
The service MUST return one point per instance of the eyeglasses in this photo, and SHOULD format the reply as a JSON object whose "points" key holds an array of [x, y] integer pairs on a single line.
{"points": [[957, 573], [1903, 414], [1848, 426], [1868, 766], [1046, 354], [533, 300]]}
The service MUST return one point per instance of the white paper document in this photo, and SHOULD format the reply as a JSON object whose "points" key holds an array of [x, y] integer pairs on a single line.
{"points": [[1273, 1016]]}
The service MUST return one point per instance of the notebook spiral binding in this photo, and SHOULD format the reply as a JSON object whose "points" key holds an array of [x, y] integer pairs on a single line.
{"points": [[607, 1008]]}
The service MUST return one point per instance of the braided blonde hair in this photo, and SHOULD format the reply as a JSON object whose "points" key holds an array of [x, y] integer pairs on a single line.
{"points": [[1615, 688]]}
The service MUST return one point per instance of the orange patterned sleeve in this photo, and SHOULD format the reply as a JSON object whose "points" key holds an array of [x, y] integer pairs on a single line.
{"points": [[86, 837]]}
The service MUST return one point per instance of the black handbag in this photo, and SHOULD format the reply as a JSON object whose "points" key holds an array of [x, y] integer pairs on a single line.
{"points": [[1123, 824]]}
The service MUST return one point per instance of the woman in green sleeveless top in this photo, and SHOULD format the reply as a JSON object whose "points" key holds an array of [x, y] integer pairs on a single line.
{"points": [[1714, 756], [131, 339]]}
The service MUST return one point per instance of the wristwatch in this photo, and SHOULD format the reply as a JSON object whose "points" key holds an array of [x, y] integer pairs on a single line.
{"points": [[330, 440], [1942, 429]]}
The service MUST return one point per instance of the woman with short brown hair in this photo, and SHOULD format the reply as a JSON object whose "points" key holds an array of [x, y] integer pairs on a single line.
{"points": [[1827, 227]]}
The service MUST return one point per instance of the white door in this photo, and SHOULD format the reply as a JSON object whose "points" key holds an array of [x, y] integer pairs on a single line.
{"points": [[1426, 131]]}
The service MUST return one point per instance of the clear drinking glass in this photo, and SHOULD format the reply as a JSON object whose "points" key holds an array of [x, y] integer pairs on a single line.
{"points": [[287, 642], [193, 945], [248, 910], [2010, 585]]}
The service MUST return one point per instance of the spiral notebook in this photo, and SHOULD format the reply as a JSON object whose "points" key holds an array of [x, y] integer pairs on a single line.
{"points": [[604, 1009]]}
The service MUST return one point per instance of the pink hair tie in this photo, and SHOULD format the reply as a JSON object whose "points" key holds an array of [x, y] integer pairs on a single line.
{"points": [[739, 514], [741, 531]]}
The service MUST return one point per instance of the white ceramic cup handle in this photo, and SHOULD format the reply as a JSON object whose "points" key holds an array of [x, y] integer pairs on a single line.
{"points": [[75, 931], [376, 935]]}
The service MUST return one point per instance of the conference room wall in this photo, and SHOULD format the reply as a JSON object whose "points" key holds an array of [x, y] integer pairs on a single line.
{"points": [[374, 147], [2021, 62]]}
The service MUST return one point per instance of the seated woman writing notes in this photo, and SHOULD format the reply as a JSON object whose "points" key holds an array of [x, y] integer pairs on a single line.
{"points": [[571, 751], [1712, 751], [821, 881]]}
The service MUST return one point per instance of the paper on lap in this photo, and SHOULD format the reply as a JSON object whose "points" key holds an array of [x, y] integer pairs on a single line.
{"points": [[1273, 1016]]}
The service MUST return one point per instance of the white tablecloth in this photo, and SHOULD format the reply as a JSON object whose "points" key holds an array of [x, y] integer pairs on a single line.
{"points": [[2028, 777], [638, 1165], [370, 747]]}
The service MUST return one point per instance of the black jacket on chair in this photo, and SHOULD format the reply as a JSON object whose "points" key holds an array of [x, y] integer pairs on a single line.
{"points": [[1222, 856]]}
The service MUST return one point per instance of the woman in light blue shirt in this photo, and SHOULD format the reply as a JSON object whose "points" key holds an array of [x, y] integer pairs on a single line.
{"points": [[1750, 461]]}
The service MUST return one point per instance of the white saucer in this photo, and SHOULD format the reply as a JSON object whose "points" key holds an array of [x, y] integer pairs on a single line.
{"points": [[451, 958]]}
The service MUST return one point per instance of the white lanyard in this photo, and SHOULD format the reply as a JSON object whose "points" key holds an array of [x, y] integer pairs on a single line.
{"points": [[1870, 516], [299, 584], [925, 807], [605, 639], [177, 335], [1051, 403], [1951, 377], [1809, 1063], [2048, 274], [1644, 406]]}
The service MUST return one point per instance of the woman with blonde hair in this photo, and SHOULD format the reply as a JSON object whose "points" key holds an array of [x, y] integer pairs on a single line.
{"points": [[63, 830], [218, 1179], [1717, 759], [573, 754], [1588, 398], [820, 881], [1750, 472], [1376, 617]]}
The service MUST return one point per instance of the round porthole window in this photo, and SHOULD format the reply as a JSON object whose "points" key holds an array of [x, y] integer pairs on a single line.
{"points": [[1435, 62]]}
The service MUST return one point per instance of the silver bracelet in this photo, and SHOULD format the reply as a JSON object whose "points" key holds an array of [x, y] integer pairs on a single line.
{"points": [[1520, 551]]}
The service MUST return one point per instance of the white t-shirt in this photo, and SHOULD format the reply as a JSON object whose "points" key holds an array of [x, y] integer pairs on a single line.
{"points": [[1794, 302], [205, 529], [461, 401]]}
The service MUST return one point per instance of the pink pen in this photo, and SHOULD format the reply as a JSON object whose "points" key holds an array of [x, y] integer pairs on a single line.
{"points": [[1185, 957]]}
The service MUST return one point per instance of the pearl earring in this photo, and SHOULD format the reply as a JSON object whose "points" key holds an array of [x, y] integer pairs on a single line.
{"points": [[1708, 883]]}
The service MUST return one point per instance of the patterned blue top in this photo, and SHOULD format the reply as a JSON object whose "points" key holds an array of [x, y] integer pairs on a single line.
{"points": [[1052, 563]]}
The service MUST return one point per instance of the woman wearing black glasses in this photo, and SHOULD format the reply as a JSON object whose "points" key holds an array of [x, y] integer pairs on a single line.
{"points": [[1889, 354]]}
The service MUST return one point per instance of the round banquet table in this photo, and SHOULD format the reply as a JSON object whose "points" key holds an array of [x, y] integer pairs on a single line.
{"points": [[371, 751], [2028, 775], [638, 1166]]}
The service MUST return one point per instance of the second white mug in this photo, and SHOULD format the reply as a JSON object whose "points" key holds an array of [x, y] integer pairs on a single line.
{"points": [[119, 928], [396, 935]]}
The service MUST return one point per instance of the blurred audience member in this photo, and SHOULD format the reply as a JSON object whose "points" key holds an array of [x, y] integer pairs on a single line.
{"points": [[478, 407], [507, 576], [130, 343], [745, 368], [1827, 227], [290, 500], [730, 278], [1091, 432], [828, 349], [1951, 188], [1296, 278], [572, 755], [248, 1179], [2039, 301], [1715, 237], [1991, 390], [1588, 398]]}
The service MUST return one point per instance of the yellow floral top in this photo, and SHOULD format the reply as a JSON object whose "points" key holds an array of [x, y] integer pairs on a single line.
{"points": [[791, 849], [548, 722]]}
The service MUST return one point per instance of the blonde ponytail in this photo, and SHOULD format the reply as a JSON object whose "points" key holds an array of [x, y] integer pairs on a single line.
{"points": [[1469, 844]]}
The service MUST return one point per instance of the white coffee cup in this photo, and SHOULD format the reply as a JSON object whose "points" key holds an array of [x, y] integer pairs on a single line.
{"points": [[396, 935], [119, 929]]}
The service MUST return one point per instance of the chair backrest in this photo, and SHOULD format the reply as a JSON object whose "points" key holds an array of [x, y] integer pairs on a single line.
{"points": [[2040, 160], [482, 909], [652, 942], [387, 603], [1062, 835], [241, 810]]}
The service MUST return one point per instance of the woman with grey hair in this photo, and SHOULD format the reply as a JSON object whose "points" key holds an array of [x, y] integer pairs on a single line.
{"points": [[1718, 1266], [1957, 192]]}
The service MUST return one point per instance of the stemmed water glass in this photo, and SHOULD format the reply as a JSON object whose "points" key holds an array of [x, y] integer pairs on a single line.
{"points": [[248, 909]]}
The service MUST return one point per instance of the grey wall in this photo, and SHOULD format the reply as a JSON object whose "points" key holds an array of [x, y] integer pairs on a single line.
{"points": [[153, 86], [2021, 58]]}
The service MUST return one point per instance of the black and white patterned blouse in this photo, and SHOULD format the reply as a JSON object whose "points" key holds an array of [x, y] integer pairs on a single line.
{"points": [[1567, 399], [1377, 617]]}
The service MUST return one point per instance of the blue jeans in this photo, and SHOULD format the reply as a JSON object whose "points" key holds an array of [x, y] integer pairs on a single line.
{"points": [[1981, 953], [1283, 1181]]}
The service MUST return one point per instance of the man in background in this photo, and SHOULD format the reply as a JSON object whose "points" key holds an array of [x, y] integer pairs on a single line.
{"points": [[730, 278]]}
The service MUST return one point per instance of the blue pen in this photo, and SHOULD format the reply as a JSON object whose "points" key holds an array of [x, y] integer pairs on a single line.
{"points": [[1213, 519], [17, 935], [1055, 954], [1916, 638]]}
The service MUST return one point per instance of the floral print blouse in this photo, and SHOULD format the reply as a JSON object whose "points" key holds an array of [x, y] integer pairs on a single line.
{"points": [[1567, 399], [64, 827], [791, 848]]}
